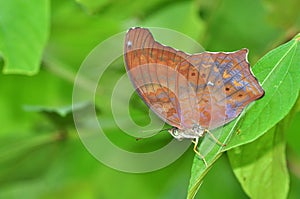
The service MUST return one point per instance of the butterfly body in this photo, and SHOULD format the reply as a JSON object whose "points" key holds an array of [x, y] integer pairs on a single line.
{"points": [[192, 133]]}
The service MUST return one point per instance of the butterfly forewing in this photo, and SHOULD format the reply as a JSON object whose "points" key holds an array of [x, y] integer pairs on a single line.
{"points": [[152, 70]]}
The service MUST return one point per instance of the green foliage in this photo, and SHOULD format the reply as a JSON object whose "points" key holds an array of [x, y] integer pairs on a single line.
{"points": [[23, 36], [41, 154], [261, 165], [270, 169], [279, 75]]}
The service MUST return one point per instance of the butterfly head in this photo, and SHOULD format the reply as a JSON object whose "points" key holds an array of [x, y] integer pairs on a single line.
{"points": [[175, 133], [195, 132]]}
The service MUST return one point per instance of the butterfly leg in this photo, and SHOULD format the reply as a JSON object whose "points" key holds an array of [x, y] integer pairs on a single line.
{"points": [[195, 141], [214, 138]]}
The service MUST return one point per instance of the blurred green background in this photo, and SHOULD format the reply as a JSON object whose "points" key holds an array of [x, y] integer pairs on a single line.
{"points": [[41, 154]]}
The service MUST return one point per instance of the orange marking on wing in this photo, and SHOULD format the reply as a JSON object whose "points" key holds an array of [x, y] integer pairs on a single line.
{"points": [[226, 75], [237, 84]]}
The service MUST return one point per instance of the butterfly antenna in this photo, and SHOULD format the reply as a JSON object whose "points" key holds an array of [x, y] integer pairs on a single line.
{"points": [[137, 139], [164, 130]]}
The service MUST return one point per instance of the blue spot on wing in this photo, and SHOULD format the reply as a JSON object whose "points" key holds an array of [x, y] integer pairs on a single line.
{"points": [[230, 111]]}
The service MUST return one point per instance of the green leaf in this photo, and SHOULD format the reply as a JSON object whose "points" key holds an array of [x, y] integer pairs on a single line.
{"points": [[261, 165], [61, 116], [292, 134], [199, 171], [181, 16], [229, 22], [93, 5], [23, 158], [279, 73], [61, 111], [284, 13], [124, 8], [24, 29]]}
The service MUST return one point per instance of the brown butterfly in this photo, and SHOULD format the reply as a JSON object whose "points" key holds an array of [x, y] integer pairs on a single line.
{"points": [[194, 93]]}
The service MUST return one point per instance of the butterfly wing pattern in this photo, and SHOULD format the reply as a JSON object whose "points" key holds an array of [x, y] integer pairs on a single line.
{"points": [[204, 90]]}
